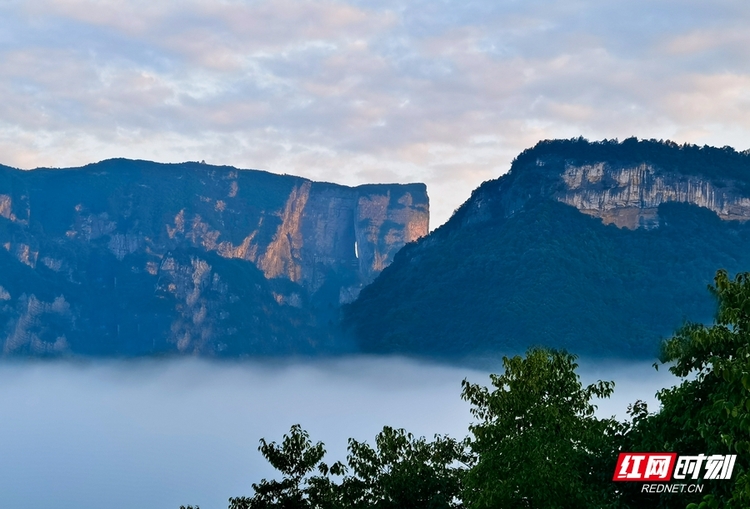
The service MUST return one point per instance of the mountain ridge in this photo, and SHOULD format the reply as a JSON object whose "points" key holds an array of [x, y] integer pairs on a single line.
{"points": [[716, 165], [203, 238], [601, 248], [523, 267]]}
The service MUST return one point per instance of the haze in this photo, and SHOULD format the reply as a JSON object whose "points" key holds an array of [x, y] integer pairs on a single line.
{"points": [[157, 434]]}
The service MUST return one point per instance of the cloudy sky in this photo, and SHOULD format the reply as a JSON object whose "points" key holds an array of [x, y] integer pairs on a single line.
{"points": [[439, 91]]}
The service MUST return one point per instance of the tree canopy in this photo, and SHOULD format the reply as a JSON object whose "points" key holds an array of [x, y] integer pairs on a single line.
{"points": [[401, 471], [537, 441]]}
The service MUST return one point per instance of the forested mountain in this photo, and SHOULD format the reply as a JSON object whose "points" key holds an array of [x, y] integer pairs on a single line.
{"points": [[129, 257], [601, 248]]}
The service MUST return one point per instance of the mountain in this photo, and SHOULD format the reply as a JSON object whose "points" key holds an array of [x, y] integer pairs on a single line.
{"points": [[130, 257], [600, 248]]}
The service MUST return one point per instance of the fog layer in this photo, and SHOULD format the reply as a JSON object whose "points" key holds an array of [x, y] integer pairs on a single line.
{"points": [[157, 434]]}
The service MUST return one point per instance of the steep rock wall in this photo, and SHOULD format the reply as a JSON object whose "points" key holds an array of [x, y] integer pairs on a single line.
{"points": [[298, 227], [629, 196], [160, 231]]}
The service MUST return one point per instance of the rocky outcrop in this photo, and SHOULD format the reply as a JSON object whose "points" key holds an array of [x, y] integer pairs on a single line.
{"points": [[629, 196], [163, 229], [299, 228], [35, 329], [282, 256], [322, 227], [622, 183]]}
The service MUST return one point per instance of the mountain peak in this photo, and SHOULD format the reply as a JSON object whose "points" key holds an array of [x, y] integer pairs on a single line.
{"points": [[622, 183]]}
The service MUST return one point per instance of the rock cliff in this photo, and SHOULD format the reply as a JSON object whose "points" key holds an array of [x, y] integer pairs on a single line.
{"points": [[621, 183], [629, 196], [600, 248], [177, 252]]}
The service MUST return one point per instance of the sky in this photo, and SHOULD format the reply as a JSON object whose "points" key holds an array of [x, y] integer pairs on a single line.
{"points": [[159, 434], [435, 91]]}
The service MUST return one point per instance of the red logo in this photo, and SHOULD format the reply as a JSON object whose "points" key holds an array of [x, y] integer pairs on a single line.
{"points": [[644, 466]]}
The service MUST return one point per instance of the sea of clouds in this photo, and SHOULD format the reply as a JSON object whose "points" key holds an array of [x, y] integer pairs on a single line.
{"points": [[161, 433]]}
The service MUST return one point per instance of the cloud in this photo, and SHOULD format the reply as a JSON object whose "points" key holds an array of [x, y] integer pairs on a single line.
{"points": [[165, 433], [442, 92], [154, 434]]}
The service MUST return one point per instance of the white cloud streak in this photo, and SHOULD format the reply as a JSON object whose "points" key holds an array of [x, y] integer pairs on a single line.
{"points": [[441, 92]]}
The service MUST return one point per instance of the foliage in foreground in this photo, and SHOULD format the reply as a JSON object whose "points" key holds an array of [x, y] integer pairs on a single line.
{"points": [[709, 412], [537, 443], [401, 471]]}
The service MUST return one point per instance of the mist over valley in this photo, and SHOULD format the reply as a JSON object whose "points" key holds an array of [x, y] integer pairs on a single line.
{"points": [[157, 434]]}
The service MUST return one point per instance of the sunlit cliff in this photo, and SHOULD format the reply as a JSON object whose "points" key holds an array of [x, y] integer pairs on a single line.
{"points": [[136, 257]]}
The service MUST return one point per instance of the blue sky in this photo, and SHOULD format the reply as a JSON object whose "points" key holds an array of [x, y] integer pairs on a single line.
{"points": [[441, 92]]}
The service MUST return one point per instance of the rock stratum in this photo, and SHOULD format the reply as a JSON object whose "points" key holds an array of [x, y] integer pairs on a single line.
{"points": [[629, 196], [601, 248], [621, 183], [131, 257]]}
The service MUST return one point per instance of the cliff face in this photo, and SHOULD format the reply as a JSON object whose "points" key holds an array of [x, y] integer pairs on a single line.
{"points": [[629, 196], [324, 227], [196, 241], [620, 183]]}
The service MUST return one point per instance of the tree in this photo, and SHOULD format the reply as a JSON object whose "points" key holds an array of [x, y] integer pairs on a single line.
{"points": [[709, 412], [537, 440], [401, 471], [296, 458], [405, 472]]}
